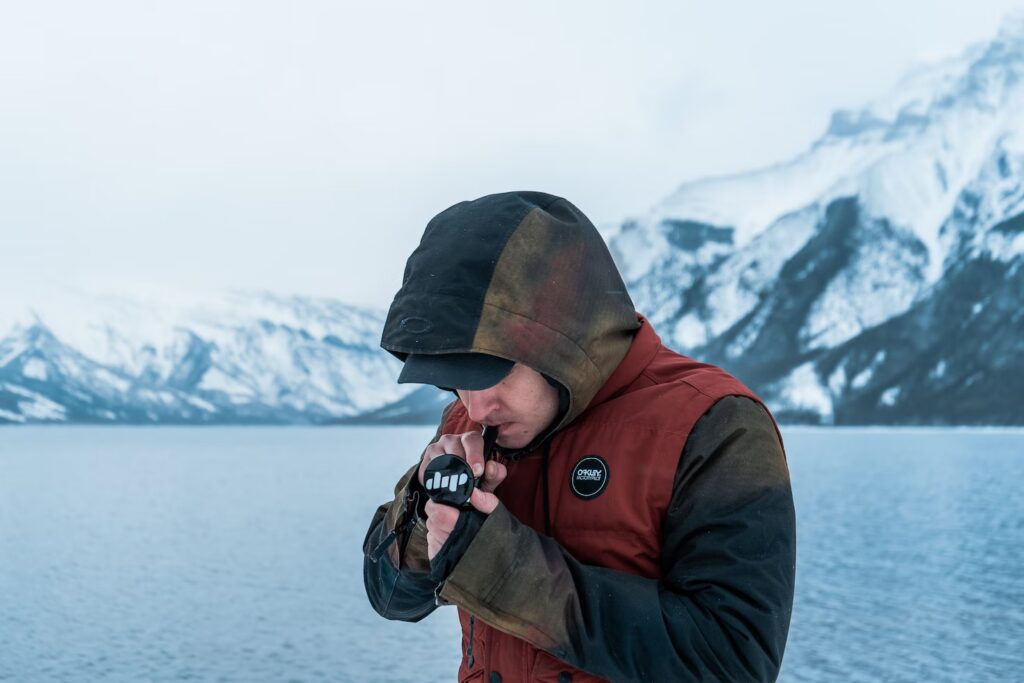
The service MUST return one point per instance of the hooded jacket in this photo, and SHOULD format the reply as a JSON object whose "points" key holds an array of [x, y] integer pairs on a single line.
{"points": [[680, 567]]}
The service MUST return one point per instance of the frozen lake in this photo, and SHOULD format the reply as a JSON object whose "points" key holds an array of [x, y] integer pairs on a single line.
{"points": [[233, 554]]}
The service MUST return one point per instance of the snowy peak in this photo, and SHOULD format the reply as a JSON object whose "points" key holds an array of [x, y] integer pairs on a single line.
{"points": [[906, 156], [770, 272], [984, 77]]}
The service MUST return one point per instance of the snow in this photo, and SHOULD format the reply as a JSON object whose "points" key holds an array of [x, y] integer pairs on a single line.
{"points": [[861, 379], [738, 284], [201, 404], [749, 334], [752, 201], [119, 384], [802, 390], [890, 396], [837, 381], [34, 369], [637, 250], [18, 391], [690, 332], [10, 351], [314, 355], [34, 407], [883, 280], [42, 409], [215, 379]]}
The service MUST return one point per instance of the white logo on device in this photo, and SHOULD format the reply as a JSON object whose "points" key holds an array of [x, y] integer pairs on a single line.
{"points": [[446, 482]]}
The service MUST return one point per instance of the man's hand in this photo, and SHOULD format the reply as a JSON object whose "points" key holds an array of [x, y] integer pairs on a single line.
{"points": [[441, 519]]}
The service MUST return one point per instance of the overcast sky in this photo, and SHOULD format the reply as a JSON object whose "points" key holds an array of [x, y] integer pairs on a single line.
{"points": [[301, 147]]}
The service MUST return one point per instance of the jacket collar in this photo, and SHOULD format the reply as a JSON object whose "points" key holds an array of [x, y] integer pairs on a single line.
{"points": [[642, 350]]}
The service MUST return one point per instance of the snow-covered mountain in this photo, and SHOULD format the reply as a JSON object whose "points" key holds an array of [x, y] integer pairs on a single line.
{"points": [[242, 357], [875, 278]]}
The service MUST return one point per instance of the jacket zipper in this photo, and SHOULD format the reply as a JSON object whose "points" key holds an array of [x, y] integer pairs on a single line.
{"points": [[544, 488], [469, 646]]}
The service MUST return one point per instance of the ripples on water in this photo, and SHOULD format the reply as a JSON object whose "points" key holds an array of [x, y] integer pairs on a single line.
{"points": [[232, 554], [910, 555]]}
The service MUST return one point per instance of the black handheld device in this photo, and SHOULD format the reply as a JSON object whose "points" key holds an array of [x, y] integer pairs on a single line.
{"points": [[448, 478]]}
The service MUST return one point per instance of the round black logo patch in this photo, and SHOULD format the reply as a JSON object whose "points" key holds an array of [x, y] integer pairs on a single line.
{"points": [[416, 325], [589, 477]]}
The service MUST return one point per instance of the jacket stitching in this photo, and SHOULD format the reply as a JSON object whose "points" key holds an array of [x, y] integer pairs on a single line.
{"points": [[697, 388]]}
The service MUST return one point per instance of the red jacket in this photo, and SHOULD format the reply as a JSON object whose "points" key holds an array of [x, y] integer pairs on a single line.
{"points": [[637, 427]]}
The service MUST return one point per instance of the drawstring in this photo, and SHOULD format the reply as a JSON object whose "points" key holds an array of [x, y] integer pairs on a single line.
{"points": [[544, 474]]}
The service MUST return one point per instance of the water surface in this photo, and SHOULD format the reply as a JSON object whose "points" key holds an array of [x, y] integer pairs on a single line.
{"points": [[233, 554]]}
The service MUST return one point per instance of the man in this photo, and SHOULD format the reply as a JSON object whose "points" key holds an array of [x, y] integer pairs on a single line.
{"points": [[636, 522]]}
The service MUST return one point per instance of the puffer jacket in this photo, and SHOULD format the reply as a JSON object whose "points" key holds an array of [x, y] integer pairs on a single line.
{"points": [[649, 535]]}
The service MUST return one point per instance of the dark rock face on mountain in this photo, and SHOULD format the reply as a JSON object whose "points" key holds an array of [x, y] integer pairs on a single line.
{"points": [[954, 357]]}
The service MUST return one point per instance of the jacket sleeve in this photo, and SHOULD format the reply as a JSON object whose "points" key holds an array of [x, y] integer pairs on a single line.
{"points": [[396, 571], [721, 610]]}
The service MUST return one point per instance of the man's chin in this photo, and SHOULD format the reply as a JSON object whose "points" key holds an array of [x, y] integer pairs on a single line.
{"points": [[512, 439]]}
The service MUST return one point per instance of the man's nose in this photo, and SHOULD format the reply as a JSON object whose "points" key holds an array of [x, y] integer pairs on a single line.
{"points": [[480, 404]]}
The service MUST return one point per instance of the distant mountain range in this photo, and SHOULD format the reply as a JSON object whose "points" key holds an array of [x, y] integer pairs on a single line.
{"points": [[241, 358], [875, 279]]}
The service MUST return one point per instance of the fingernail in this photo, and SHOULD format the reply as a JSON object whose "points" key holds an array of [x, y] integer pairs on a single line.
{"points": [[478, 469]]}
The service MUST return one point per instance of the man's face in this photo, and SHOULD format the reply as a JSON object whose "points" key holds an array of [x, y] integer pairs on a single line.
{"points": [[522, 404]]}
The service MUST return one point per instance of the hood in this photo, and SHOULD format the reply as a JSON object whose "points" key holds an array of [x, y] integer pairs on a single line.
{"points": [[520, 275]]}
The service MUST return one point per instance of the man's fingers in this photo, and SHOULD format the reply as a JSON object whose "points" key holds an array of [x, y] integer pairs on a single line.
{"points": [[441, 520], [483, 501], [470, 447], [494, 475], [434, 544], [448, 443], [473, 444], [441, 515]]}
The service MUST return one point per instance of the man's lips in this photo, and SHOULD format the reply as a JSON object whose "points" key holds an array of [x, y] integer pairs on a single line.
{"points": [[500, 427]]}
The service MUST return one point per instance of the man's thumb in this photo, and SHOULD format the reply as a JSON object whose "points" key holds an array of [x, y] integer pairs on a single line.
{"points": [[483, 501]]}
